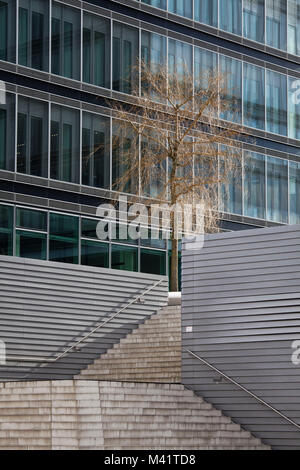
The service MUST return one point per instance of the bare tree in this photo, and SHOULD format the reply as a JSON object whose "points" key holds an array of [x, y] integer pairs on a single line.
{"points": [[177, 143]]}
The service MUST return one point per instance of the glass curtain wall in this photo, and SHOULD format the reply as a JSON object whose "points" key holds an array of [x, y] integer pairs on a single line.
{"points": [[276, 27], [64, 151], [8, 30], [6, 230], [31, 242], [32, 143], [276, 96], [65, 41], [125, 152], [294, 185], [254, 96], [230, 15], [231, 71], [294, 108], [206, 11], [96, 50], [180, 57], [254, 20], [63, 238], [125, 58], [157, 3], [95, 150], [153, 262], [124, 257], [293, 34], [181, 7], [205, 66], [231, 191], [277, 190], [7, 130], [254, 185], [153, 50], [34, 34]]}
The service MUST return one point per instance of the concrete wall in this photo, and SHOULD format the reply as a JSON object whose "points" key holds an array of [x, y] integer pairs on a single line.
{"points": [[241, 296], [45, 307]]}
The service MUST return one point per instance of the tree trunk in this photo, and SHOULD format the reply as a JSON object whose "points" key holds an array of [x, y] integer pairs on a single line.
{"points": [[174, 266]]}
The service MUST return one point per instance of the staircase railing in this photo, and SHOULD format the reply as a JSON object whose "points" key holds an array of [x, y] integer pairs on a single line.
{"points": [[137, 298], [260, 400]]}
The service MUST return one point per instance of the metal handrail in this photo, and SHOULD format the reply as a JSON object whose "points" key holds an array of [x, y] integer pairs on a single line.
{"points": [[111, 317], [242, 388]]}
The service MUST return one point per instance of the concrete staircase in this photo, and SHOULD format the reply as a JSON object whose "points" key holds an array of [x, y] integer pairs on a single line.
{"points": [[151, 353], [129, 398], [89, 414]]}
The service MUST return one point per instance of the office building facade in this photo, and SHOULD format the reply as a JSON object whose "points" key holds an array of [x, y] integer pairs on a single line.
{"points": [[60, 64]]}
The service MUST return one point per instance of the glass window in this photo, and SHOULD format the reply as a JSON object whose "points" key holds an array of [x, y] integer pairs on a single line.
{"points": [[125, 58], [277, 190], [95, 150], [231, 188], [154, 182], [31, 219], [89, 227], [180, 57], [254, 20], [153, 49], [159, 243], [31, 245], [32, 145], [294, 193], [153, 262], [205, 66], [276, 92], [65, 153], [95, 254], [96, 50], [157, 3], [7, 130], [8, 30], [276, 23], [254, 96], [254, 185], [231, 71], [6, 230], [65, 41], [125, 158], [294, 108], [122, 234], [181, 7], [63, 238], [124, 257], [206, 11], [231, 16], [34, 34], [293, 44]]}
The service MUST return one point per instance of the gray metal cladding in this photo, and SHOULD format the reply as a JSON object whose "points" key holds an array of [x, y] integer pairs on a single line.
{"points": [[241, 296], [46, 307]]}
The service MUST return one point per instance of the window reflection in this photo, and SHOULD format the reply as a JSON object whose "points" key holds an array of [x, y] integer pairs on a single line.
{"points": [[254, 24], [230, 14], [8, 30], [34, 34], [276, 23], [254, 185], [277, 190], [64, 158], [96, 50], [254, 96], [32, 150], [65, 41]]}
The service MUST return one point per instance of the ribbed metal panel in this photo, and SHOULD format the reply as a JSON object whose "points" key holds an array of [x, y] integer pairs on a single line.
{"points": [[46, 307], [241, 296]]}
